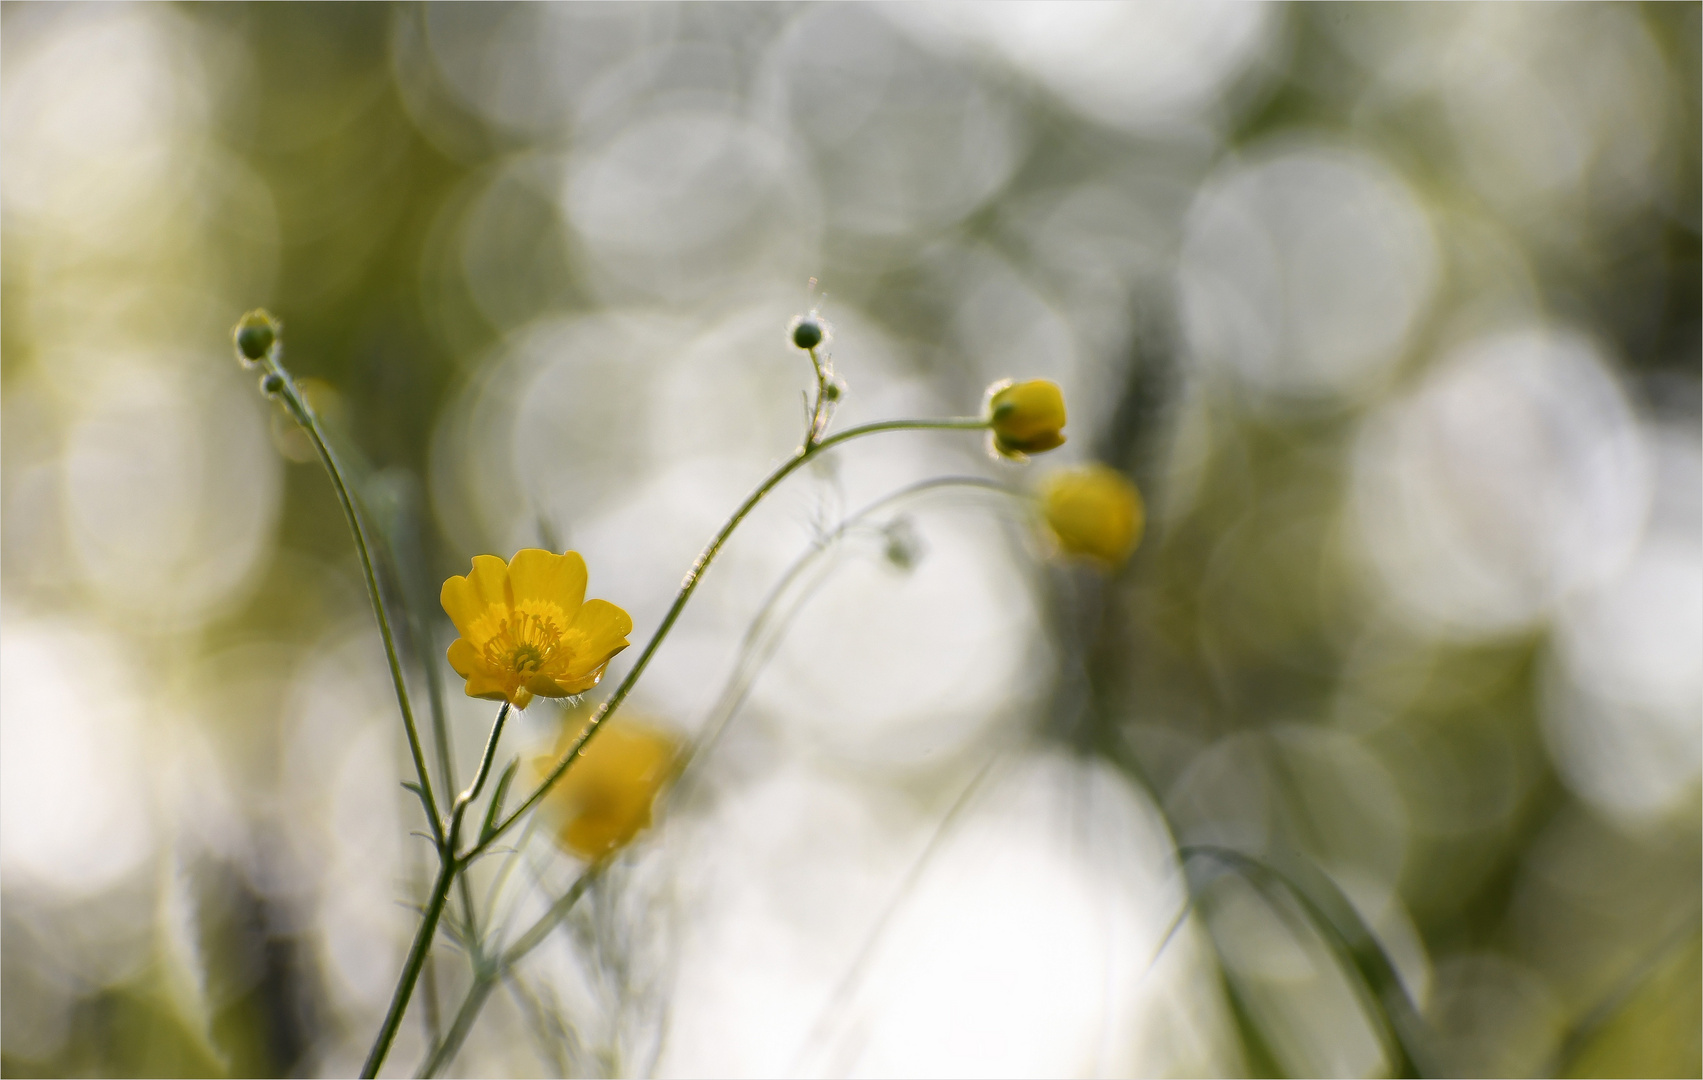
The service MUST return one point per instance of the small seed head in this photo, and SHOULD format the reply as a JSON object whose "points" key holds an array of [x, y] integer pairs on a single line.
{"points": [[271, 384]]}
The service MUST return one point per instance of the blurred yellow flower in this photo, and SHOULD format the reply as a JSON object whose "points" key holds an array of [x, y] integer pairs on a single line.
{"points": [[1026, 417], [605, 797], [1094, 511], [526, 627]]}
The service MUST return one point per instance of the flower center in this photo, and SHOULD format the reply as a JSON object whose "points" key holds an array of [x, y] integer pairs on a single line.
{"points": [[527, 644]]}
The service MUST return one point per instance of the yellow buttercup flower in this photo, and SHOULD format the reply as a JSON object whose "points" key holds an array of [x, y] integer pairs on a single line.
{"points": [[605, 797], [526, 627], [1026, 417], [1094, 511]]}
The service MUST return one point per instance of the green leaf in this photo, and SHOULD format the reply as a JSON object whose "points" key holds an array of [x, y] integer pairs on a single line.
{"points": [[1402, 1030]]}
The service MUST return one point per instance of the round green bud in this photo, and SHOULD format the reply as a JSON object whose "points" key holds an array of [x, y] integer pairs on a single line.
{"points": [[272, 384], [833, 389], [255, 334], [807, 334]]}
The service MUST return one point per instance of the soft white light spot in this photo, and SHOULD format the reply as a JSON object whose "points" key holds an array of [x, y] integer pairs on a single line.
{"points": [[1513, 475], [1140, 67], [1304, 273], [75, 812]]}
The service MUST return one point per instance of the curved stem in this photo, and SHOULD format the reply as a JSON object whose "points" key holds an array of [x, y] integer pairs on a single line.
{"points": [[690, 585], [486, 976], [448, 867], [452, 861], [410, 969], [466, 798], [1396, 1020], [408, 564], [739, 683], [310, 423]]}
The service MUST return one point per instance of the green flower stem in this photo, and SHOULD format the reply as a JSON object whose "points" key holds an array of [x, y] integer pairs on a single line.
{"points": [[803, 455], [448, 868], [453, 863], [819, 411], [485, 976], [732, 695], [310, 423]]}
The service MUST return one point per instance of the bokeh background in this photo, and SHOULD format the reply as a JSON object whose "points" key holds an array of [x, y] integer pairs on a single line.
{"points": [[1391, 311]]}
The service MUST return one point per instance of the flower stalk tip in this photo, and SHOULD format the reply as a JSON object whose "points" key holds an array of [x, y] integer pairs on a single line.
{"points": [[254, 336], [807, 332]]}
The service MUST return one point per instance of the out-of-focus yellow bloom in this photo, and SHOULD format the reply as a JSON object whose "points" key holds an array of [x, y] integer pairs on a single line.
{"points": [[1026, 417], [605, 797], [1094, 511], [526, 627]]}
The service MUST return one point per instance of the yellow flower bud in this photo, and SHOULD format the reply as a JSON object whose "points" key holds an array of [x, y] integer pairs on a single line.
{"points": [[1026, 417], [1095, 512], [604, 799]]}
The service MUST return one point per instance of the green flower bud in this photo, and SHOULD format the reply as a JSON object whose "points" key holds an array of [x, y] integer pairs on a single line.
{"points": [[272, 384], [807, 333], [255, 335]]}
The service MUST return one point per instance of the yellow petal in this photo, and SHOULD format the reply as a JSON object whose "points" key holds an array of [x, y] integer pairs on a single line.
{"points": [[574, 683], [461, 603], [543, 575], [545, 686], [604, 628], [466, 599], [490, 578], [603, 624], [463, 657], [482, 684]]}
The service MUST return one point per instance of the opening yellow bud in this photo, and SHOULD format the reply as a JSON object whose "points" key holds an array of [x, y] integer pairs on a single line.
{"points": [[1095, 512], [1025, 417]]}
